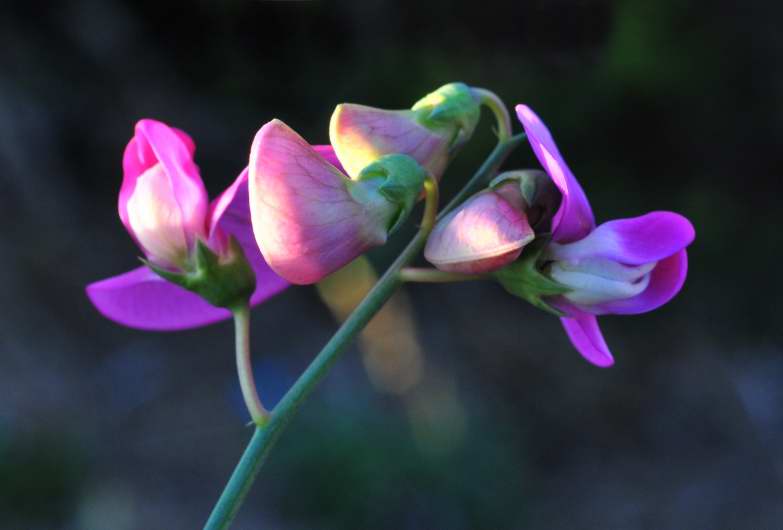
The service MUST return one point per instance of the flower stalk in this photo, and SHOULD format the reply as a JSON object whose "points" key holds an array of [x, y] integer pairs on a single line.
{"points": [[265, 436], [258, 413], [491, 100]]}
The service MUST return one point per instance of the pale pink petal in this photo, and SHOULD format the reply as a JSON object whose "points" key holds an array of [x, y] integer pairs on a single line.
{"points": [[306, 222], [360, 135], [483, 234], [574, 218], [155, 218], [587, 338]]}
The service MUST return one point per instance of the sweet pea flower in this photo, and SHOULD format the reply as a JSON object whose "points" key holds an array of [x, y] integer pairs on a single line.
{"points": [[309, 218], [429, 132], [626, 266], [164, 206]]}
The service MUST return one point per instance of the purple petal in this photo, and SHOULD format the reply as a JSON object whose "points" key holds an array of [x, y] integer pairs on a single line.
{"points": [[142, 299], [306, 222], [666, 280], [635, 241], [574, 218], [327, 152], [587, 338]]}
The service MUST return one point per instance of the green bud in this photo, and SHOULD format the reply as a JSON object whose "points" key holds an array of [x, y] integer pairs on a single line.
{"points": [[453, 109]]}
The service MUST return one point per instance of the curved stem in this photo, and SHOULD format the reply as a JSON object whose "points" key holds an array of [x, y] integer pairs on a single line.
{"points": [[258, 413], [426, 275], [491, 100], [265, 436], [488, 168]]}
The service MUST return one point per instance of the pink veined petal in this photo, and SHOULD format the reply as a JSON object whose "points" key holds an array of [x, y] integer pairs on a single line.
{"points": [[305, 221], [175, 156], [142, 299], [361, 134], [574, 218], [586, 336], [635, 241], [230, 214], [483, 234], [666, 280]]}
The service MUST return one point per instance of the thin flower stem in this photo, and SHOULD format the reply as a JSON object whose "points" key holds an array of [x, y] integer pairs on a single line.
{"points": [[426, 275], [265, 437], [491, 100], [258, 413]]}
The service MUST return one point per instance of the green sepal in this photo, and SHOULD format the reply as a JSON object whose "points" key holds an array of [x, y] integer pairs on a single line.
{"points": [[523, 278], [452, 108], [223, 281], [400, 181]]}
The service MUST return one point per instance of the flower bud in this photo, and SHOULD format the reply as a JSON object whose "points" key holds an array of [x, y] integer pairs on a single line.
{"points": [[489, 230], [429, 132], [163, 203], [483, 234], [309, 219]]}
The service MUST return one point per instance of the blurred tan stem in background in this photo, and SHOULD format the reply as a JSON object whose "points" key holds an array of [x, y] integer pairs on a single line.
{"points": [[391, 352], [394, 359]]}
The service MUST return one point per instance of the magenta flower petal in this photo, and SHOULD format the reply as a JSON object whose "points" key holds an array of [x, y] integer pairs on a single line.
{"points": [[142, 299], [306, 222], [483, 234], [167, 211], [574, 218], [586, 336], [635, 241], [666, 280]]}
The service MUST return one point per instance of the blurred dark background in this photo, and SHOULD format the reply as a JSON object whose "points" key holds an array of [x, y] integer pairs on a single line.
{"points": [[479, 416]]}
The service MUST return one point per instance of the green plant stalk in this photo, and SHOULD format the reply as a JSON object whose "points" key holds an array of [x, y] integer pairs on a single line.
{"points": [[495, 104], [265, 436], [258, 413]]}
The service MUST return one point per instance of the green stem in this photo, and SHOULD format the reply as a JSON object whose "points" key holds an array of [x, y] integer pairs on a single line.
{"points": [[257, 411], [491, 100], [265, 437], [426, 275]]}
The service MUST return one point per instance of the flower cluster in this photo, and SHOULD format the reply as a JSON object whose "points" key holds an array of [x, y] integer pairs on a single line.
{"points": [[299, 212]]}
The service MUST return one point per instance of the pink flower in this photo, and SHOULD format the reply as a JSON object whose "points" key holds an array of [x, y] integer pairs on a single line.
{"points": [[626, 266], [360, 135], [310, 219], [164, 206], [430, 132]]}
